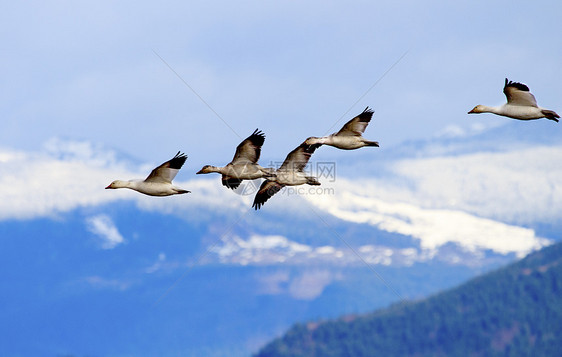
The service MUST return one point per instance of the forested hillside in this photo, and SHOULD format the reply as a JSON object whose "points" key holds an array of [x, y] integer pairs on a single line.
{"points": [[514, 311]]}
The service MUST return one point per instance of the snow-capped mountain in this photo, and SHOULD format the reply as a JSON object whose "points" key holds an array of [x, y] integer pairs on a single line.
{"points": [[204, 274]]}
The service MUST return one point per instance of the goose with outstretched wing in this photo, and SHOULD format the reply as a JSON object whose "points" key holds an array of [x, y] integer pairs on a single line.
{"points": [[244, 165], [521, 104], [290, 173], [350, 136], [159, 182]]}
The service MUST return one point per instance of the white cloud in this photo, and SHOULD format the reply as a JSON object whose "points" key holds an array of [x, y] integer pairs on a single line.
{"points": [[457, 131], [521, 186], [38, 184], [451, 131], [103, 227], [479, 200], [278, 250], [85, 151], [259, 249], [487, 194], [72, 174], [433, 227]]}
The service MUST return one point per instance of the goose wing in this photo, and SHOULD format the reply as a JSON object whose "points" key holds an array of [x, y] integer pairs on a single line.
{"points": [[166, 172], [249, 150], [266, 191], [298, 158], [230, 182], [518, 94], [357, 125]]}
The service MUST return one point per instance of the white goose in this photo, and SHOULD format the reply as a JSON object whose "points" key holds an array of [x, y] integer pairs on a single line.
{"points": [[350, 136], [521, 104], [290, 173], [159, 182], [244, 165]]}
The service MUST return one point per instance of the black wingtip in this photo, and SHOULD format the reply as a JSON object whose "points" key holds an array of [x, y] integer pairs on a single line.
{"points": [[368, 110], [520, 86], [257, 205], [179, 154], [257, 137], [366, 115], [258, 201], [178, 160]]}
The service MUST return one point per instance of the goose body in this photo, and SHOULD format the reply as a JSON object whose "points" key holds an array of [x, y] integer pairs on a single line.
{"points": [[159, 182], [290, 173], [521, 104], [350, 135], [244, 165]]}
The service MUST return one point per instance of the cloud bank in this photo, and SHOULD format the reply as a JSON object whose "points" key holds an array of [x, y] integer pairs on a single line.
{"points": [[477, 201], [66, 175], [434, 228], [521, 186], [60, 178]]}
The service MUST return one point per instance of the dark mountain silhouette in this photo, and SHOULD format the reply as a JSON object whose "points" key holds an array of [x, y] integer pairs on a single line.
{"points": [[513, 311]]}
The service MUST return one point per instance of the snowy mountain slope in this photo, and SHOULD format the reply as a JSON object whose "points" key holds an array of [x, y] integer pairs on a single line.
{"points": [[198, 272]]}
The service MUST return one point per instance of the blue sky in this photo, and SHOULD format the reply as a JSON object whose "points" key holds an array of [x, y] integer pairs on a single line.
{"points": [[88, 70], [111, 78], [91, 92]]}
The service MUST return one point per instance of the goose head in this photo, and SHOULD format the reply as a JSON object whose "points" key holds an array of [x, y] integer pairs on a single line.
{"points": [[478, 109], [117, 184], [207, 169]]}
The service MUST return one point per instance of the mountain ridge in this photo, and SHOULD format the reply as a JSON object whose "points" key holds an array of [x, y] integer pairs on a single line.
{"points": [[197, 274], [511, 311]]}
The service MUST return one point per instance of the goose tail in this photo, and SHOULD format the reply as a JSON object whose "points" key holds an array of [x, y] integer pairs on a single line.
{"points": [[551, 114], [312, 181]]}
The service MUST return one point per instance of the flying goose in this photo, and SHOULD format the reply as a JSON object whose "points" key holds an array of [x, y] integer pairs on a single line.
{"points": [[290, 173], [349, 137], [521, 104], [159, 182], [244, 165]]}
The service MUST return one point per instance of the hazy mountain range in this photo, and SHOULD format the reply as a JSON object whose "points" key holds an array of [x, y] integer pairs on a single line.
{"points": [[113, 273], [513, 311]]}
